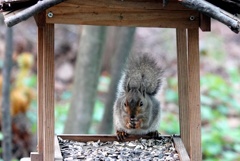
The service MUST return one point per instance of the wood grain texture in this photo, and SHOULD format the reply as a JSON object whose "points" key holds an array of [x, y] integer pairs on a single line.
{"points": [[48, 85], [205, 22], [40, 19], [179, 146], [182, 59], [36, 156], [194, 95], [40, 88], [40, 96], [123, 13], [102, 137], [57, 152], [189, 91]]}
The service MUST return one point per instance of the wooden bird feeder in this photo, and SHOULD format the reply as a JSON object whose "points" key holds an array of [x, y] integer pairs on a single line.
{"points": [[145, 13]]}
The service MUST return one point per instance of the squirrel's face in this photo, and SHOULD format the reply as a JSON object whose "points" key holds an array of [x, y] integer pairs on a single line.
{"points": [[135, 106]]}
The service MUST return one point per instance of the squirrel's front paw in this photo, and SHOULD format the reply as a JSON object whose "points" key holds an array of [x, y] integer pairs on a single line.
{"points": [[121, 135], [154, 134]]}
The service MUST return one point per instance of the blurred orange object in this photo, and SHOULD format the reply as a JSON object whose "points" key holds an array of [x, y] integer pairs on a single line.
{"points": [[21, 95], [20, 100]]}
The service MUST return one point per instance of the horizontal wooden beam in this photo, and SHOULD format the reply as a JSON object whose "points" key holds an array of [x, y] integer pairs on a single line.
{"points": [[149, 13], [102, 137]]}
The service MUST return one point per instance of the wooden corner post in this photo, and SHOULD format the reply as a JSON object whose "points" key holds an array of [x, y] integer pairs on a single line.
{"points": [[189, 91], [45, 97], [48, 95]]}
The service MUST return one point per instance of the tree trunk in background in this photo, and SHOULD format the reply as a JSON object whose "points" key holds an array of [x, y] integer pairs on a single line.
{"points": [[6, 117], [125, 38], [86, 79], [109, 48]]}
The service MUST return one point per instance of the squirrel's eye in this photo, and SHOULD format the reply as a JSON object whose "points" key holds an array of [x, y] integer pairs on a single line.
{"points": [[125, 104], [141, 103]]}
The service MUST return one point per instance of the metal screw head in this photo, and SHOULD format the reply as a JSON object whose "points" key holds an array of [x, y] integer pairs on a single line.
{"points": [[50, 14], [192, 18]]}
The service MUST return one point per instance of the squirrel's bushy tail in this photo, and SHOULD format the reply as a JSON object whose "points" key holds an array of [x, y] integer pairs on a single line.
{"points": [[143, 70]]}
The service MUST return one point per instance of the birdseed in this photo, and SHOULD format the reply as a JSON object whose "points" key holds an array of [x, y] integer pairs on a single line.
{"points": [[142, 149]]}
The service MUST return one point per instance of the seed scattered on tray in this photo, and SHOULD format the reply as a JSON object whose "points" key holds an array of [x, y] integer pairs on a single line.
{"points": [[141, 149]]}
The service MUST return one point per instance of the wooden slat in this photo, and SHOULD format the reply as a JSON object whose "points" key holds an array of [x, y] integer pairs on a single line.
{"points": [[194, 95], [189, 91], [48, 85], [123, 13], [57, 152], [40, 97], [205, 23], [182, 59], [102, 137], [36, 156], [128, 4], [40, 90], [40, 19], [179, 146]]}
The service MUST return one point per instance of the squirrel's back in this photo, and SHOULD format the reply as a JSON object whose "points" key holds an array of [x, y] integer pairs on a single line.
{"points": [[142, 70]]}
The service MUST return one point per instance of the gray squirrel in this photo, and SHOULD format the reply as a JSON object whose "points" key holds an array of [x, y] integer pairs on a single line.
{"points": [[136, 110]]}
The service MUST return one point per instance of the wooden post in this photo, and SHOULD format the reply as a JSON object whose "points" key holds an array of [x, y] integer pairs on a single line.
{"points": [[48, 89], [205, 23], [45, 58], [189, 91], [40, 21], [194, 94], [182, 59], [40, 98]]}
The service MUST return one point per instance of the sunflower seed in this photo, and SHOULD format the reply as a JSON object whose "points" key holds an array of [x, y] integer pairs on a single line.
{"points": [[142, 149]]}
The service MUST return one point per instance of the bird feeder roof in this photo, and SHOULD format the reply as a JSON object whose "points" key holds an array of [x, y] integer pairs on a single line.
{"points": [[15, 11], [225, 11]]}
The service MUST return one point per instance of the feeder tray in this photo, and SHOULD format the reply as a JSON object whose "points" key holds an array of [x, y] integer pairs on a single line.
{"points": [[107, 147], [144, 13]]}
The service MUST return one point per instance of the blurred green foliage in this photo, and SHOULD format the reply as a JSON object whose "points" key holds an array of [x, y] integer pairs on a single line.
{"points": [[61, 113], [219, 103]]}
